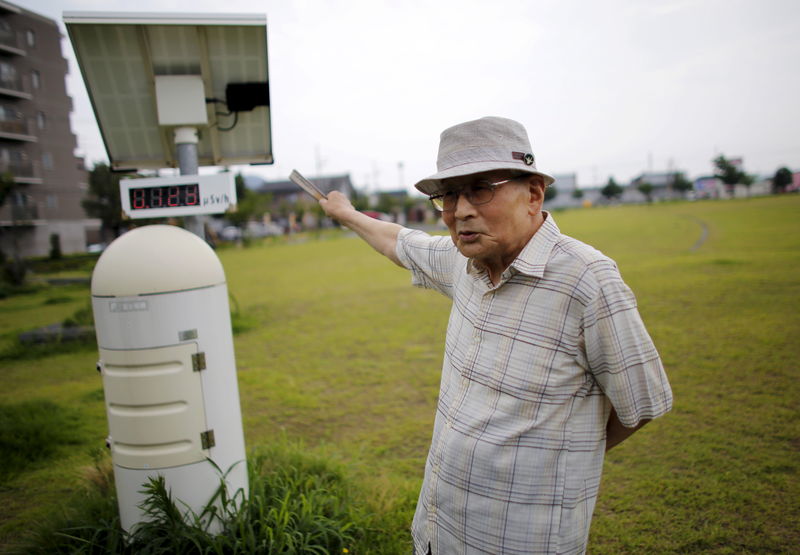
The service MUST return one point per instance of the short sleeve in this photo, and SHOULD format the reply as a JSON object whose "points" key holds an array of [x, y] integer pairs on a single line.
{"points": [[620, 353], [431, 259]]}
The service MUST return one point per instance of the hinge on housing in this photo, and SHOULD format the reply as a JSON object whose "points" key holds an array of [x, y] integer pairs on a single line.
{"points": [[198, 362], [207, 439]]}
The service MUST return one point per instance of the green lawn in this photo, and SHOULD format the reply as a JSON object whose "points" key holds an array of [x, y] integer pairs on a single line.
{"points": [[339, 353]]}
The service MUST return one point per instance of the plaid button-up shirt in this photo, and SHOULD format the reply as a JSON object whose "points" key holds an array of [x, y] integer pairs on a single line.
{"points": [[531, 369]]}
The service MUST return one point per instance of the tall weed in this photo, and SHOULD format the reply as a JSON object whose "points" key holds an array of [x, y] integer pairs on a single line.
{"points": [[297, 504]]}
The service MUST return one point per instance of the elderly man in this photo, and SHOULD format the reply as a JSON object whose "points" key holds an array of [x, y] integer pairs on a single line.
{"points": [[547, 363]]}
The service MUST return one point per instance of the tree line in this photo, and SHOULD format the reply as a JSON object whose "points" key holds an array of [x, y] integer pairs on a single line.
{"points": [[727, 171]]}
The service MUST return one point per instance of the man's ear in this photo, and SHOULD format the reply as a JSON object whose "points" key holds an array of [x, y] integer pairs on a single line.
{"points": [[536, 189]]}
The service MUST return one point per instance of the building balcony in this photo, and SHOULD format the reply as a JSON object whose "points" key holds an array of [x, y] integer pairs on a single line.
{"points": [[19, 215], [16, 130], [23, 171], [26, 213], [9, 43], [13, 87]]}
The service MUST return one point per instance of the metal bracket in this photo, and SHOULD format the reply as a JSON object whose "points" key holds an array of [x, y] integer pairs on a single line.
{"points": [[198, 362], [207, 439]]}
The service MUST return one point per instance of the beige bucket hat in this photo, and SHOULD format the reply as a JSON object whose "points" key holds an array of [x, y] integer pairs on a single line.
{"points": [[485, 144]]}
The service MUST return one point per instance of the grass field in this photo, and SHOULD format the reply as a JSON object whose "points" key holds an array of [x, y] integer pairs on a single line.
{"points": [[336, 352]]}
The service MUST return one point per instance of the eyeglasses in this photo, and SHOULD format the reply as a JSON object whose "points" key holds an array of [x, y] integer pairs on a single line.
{"points": [[477, 193]]}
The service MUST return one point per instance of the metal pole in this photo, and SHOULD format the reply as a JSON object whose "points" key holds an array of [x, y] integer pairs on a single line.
{"points": [[186, 146]]}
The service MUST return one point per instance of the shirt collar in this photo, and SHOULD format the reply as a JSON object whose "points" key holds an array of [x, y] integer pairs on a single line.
{"points": [[533, 258]]}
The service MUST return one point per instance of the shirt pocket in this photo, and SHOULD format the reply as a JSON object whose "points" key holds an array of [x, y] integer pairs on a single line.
{"points": [[533, 363]]}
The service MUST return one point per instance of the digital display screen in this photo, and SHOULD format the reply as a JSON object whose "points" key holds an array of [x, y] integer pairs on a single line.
{"points": [[167, 196]]}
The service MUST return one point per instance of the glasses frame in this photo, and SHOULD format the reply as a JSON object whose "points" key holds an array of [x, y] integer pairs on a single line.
{"points": [[438, 203]]}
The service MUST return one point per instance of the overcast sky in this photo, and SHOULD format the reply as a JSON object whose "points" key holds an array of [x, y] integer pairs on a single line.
{"points": [[610, 88]]}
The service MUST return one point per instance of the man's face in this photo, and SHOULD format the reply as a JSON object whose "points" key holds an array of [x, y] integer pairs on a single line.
{"points": [[494, 233]]}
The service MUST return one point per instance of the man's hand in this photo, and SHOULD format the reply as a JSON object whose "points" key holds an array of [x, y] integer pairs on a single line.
{"points": [[616, 433], [338, 207]]}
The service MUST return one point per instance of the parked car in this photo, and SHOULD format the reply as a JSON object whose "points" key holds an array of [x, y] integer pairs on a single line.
{"points": [[261, 229], [378, 215], [230, 233]]}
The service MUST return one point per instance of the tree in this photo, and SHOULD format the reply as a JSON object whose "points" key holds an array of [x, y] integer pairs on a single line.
{"points": [[55, 246], [730, 174], [360, 201], [14, 270], [681, 184], [550, 193], [611, 190], [577, 194], [782, 179], [646, 189], [7, 185], [250, 206], [103, 200], [388, 204], [241, 187]]}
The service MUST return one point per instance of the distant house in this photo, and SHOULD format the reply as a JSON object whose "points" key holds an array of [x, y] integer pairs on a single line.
{"points": [[709, 186], [662, 187], [565, 186], [288, 201], [795, 186], [403, 208], [713, 187], [286, 191]]}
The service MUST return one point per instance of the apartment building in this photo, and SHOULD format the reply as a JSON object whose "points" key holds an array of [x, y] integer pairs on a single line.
{"points": [[37, 146]]}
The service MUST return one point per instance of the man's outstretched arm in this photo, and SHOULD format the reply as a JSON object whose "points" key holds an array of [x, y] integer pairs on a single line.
{"points": [[381, 236]]}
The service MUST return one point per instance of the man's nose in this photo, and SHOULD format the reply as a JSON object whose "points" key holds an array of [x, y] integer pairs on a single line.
{"points": [[464, 208]]}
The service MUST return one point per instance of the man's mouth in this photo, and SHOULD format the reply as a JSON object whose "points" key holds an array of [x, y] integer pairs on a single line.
{"points": [[468, 236]]}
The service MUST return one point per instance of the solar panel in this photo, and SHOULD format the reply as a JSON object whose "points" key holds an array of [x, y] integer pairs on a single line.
{"points": [[121, 54]]}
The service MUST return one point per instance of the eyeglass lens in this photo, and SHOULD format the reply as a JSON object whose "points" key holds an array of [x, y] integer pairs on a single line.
{"points": [[477, 193]]}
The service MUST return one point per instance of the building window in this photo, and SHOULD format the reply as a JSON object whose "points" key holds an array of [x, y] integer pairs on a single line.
{"points": [[15, 161], [41, 120], [8, 76], [7, 113], [52, 202], [19, 199], [47, 161], [30, 38], [36, 79], [11, 120], [7, 33]]}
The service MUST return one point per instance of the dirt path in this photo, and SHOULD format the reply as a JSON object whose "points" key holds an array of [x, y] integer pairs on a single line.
{"points": [[704, 231]]}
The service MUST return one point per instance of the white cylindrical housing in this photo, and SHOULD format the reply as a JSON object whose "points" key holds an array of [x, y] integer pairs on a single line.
{"points": [[163, 327]]}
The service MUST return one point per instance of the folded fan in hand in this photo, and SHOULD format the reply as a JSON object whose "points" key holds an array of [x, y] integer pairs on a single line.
{"points": [[306, 185]]}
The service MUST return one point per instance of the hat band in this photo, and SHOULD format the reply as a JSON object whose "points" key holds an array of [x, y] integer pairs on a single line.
{"points": [[484, 155]]}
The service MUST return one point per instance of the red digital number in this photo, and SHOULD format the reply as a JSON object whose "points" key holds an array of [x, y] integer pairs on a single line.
{"points": [[173, 198], [138, 199], [156, 197], [192, 198]]}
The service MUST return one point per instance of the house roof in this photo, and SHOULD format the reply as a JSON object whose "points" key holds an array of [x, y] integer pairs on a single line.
{"points": [[656, 179], [326, 184]]}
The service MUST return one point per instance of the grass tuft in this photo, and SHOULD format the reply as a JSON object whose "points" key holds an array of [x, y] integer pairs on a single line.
{"points": [[33, 431]]}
